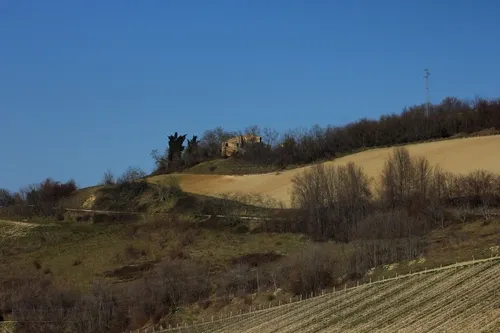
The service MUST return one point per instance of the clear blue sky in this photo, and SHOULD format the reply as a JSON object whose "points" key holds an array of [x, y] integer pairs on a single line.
{"points": [[91, 85]]}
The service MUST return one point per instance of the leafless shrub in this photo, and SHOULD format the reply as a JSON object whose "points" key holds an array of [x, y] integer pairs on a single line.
{"points": [[180, 282], [485, 210], [480, 188], [167, 188], [463, 212], [238, 280], [185, 238], [314, 268], [390, 224], [39, 306], [375, 252], [130, 175], [108, 178]]}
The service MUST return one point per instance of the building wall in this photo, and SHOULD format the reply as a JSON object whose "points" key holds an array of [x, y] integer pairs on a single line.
{"points": [[237, 144]]}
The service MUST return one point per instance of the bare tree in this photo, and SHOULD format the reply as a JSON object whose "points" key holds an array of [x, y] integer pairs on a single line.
{"points": [[412, 183], [397, 180], [108, 178], [253, 130], [182, 282], [333, 199], [212, 140], [6, 198], [270, 137], [485, 209]]}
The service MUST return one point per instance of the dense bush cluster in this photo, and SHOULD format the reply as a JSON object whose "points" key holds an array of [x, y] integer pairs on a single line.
{"points": [[412, 197], [6, 198], [131, 192], [36, 200], [40, 306], [452, 117], [332, 198]]}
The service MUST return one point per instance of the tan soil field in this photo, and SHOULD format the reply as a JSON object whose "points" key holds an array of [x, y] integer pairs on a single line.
{"points": [[458, 156]]}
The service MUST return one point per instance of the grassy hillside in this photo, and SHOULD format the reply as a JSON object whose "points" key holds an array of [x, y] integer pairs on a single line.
{"points": [[77, 254], [229, 166], [119, 254], [457, 156]]}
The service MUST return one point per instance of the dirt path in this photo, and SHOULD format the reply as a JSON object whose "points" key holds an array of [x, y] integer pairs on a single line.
{"points": [[21, 224], [14, 229]]}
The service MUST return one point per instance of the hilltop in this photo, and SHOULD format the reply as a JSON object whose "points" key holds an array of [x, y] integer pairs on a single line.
{"points": [[459, 156]]}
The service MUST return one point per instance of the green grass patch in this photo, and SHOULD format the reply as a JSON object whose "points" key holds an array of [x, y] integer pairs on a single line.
{"points": [[76, 254], [219, 248], [230, 166]]}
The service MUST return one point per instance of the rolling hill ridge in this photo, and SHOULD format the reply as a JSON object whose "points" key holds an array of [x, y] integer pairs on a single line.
{"points": [[458, 156]]}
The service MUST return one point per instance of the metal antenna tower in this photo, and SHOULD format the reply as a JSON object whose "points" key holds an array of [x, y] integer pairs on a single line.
{"points": [[426, 77]]}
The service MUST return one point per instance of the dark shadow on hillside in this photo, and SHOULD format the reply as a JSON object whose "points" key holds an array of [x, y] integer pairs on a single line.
{"points": [[123, 197], [130, 272], [256, 259]]}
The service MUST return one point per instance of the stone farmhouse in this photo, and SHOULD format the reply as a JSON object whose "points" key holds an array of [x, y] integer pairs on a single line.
{"points": [[237, 144]]}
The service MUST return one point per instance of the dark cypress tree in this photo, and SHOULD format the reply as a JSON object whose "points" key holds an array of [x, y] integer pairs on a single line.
{"points": [[175, 149]]}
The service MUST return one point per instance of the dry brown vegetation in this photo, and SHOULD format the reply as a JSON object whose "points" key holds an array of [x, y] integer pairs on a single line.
{"points": [[147, 267], [40, 200]]}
